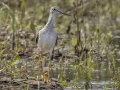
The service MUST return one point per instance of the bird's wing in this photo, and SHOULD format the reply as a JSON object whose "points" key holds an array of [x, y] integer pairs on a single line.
{"points": [[36, 39], [56, 40]]}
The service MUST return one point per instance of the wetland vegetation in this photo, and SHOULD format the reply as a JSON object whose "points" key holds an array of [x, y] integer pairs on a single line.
{"points": [[87, 54]]}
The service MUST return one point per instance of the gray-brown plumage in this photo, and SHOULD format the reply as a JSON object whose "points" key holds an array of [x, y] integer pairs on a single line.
{"points": [[36, 39], [47, 36]]}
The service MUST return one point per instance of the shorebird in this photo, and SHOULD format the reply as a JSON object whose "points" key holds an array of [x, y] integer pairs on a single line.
{"points": [[47, 36]]}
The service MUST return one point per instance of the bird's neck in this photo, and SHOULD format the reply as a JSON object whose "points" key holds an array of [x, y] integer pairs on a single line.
{"points": [[50, 22]]}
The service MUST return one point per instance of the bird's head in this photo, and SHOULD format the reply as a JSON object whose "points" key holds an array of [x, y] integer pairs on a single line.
{"points": [[55, 10]]}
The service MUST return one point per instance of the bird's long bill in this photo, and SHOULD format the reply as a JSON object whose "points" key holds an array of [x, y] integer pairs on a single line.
{"points": [[63, 13]]}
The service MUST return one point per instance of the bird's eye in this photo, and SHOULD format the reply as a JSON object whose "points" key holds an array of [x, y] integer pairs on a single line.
{"points": [[54, 9]]}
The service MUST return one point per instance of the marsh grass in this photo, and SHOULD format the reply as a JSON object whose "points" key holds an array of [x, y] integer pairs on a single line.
{"points": [[87, 50]]}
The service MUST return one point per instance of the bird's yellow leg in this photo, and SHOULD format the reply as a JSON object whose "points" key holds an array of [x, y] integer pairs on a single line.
{"points": [[40, 63], [43, 63], [39, 69], [44, 73], [49, 65]]}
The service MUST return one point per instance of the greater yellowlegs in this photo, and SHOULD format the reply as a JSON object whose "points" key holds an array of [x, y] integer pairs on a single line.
{"points": [[47, 36]]}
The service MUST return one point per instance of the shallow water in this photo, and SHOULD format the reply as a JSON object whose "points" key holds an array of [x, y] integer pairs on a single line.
{"points": [[103, 73]]}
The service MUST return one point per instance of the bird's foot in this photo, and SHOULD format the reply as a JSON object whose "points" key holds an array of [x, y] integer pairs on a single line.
{"points": [[45, 77]]}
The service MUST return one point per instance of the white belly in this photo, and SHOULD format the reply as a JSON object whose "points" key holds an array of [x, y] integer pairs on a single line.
{"points": [[47, 41]]}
